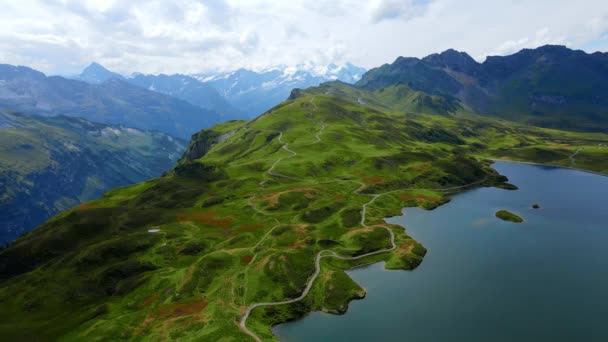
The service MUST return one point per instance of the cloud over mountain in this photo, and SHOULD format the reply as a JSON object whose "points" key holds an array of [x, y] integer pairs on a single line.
{"points": [[192, 36]]}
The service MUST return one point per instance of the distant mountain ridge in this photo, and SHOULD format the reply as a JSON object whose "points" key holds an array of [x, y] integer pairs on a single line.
{"points": [[550, 86], [188, 89], [240, 94], [95, 73], [114, 101], [257, 91]]}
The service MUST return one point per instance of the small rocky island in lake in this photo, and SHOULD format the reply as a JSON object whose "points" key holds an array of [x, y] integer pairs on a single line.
{"points": [[508, 216], [535, 206]]}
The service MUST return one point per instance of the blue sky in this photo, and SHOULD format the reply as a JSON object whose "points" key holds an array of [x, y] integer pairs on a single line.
{"points": [[190, 36]]}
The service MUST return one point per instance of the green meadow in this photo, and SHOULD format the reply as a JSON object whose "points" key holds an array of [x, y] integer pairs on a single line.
{"points": [[243, 216]]}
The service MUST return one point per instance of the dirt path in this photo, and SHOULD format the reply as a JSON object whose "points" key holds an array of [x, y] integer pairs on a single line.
{"points": [[318, 136], [321, 254], [571, 157]]}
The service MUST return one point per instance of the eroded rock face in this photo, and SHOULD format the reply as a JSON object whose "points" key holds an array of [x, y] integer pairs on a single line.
{"points": [[203, 141], [200, 144]]}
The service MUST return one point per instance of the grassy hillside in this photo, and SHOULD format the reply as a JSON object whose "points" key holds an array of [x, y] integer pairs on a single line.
{"points": [[260, 212], [49, 164]]}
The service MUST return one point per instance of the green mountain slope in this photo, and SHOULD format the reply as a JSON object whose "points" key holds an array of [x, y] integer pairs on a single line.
{"points": [[258, 221], [49, 164], [399, 98], [551, 86]]}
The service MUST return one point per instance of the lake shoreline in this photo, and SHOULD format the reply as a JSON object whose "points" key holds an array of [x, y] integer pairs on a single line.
{"points": [[597, 173], [373, 275]]}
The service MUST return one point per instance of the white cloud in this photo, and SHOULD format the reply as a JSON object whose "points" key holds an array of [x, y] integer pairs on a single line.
{"points": [[248, 41], [395, 9], [539, 38], [169, 36]]}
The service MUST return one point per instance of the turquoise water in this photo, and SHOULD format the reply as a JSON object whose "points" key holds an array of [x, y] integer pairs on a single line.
{"points": [[484, 279]]}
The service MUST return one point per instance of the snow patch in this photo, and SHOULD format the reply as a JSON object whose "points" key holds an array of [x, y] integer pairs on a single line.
{"points": [[110, 131], [133, 131], [70, 146]]}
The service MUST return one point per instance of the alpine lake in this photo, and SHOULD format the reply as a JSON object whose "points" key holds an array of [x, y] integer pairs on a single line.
{"points": [[484, 279]]}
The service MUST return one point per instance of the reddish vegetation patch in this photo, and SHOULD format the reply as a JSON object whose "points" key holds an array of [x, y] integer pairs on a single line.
{"points": [[363, 230], [300, 230], [405, 248], [309, 195], [168, 311], [151, 299], [181, 309], [422, 167], [250, 227], [206, 218], [274, 198], [144, 325], [86, 206], [246, 259], [374, 180], [373, 221], [339, 197]]}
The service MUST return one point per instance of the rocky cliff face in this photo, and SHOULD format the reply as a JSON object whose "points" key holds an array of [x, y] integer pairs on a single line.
{"points": [[203, 141]]}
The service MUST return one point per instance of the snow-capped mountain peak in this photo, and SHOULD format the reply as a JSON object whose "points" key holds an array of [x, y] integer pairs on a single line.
{"points": [[256, 91]]}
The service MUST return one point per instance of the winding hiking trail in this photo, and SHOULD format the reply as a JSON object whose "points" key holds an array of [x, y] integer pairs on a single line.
{"points": [[571, 157], [321, 254], [326, 252], [318, 135], [293, 154]]}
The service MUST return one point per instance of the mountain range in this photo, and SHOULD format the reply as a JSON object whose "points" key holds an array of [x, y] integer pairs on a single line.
{"points": [[257, 91], [50, 164], [240, 94], [189, 89], [113, 101], [542, 86]]}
